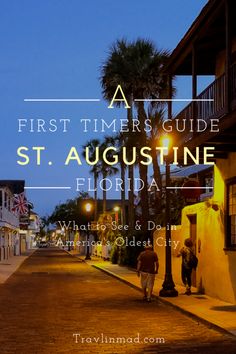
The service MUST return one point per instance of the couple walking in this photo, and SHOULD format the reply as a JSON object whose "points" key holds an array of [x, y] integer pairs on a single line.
{"points": [[148, 265]]}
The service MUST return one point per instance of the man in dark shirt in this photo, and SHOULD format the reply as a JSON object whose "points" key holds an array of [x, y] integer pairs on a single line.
{"points": [[147, 267]]}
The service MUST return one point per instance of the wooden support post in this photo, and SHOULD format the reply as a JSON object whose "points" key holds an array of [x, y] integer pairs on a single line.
{"points": [[170, 97], [227, 56], [194, 85]]}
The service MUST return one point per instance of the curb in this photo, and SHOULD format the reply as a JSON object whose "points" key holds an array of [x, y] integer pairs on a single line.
{"points": [[195, 317], [73, 255], [123, 280], [166, 302]]}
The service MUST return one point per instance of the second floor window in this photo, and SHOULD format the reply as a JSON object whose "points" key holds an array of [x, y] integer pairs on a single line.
{"points": [[5, 200]]}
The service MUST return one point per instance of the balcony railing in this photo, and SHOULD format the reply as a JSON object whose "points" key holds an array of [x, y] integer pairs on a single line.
{"points": [[33, 226], [207, 109], [233, 86], [7, 218]]}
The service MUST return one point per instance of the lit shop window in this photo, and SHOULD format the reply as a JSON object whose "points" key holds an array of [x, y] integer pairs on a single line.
{"points": [[231, 201]]}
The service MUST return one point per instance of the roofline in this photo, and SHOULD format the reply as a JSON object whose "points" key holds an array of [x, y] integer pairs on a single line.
{"points": [[16, 186], [188, 37]]}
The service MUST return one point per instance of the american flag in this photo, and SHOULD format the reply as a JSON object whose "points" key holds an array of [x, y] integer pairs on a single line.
{"points": [[20, 204]]}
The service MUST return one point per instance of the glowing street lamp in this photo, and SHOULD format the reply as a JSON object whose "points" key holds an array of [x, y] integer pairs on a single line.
{"points": [[116, 210], [88, 207], [168, 286], [166, 143]]}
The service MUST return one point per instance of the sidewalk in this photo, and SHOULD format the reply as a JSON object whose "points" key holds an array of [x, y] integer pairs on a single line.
{"points": [[202, 307], [10, 265]]}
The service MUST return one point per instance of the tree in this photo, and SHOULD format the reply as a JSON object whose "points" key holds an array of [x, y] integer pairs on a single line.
{"points": [[138, 68], [70, 210], [104, 169], [116, 71], [156, 116], [93, 145], [149, 83], [120, 143]]}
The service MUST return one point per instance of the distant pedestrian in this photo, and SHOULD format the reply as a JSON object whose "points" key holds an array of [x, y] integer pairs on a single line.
{"points": [[147, 267], [189, 261]]}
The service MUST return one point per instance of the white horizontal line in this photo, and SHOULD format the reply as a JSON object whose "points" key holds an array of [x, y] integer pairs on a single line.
{"points": [[189, 187], [174, 100], [62, 100], [136, 100], [44, 187]]}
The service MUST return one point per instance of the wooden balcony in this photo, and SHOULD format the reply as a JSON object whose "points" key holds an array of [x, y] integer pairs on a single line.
{"points": [[8, 219], [207, 110]]}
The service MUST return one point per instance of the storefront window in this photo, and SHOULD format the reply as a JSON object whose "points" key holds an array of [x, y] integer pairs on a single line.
{"points": [[231, 206]]}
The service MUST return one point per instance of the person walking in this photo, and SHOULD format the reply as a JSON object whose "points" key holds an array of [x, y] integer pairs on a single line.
{"points": [[147, 267], [189, 261]]}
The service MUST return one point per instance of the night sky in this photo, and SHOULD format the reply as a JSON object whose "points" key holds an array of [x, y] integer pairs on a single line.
{"points": [[54, 49]]}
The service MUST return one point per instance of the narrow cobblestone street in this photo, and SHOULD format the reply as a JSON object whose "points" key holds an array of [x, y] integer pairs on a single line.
{"points": [[54, 295]]}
